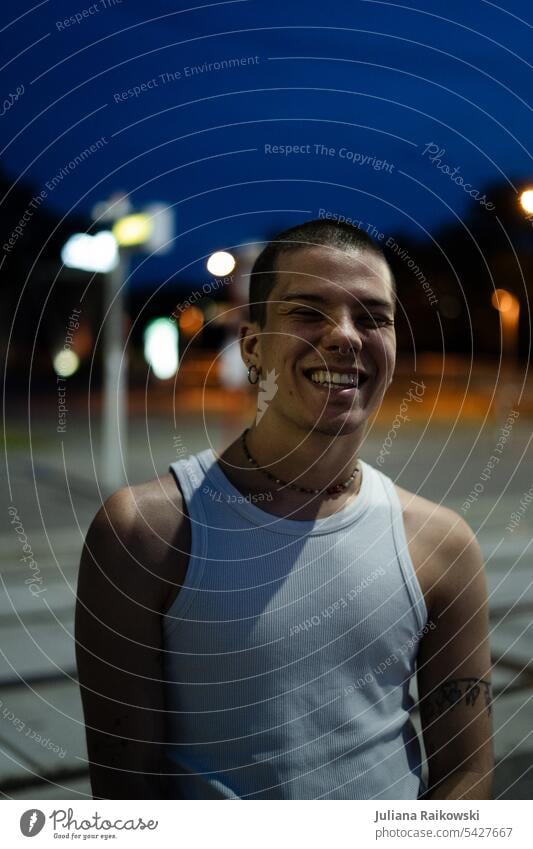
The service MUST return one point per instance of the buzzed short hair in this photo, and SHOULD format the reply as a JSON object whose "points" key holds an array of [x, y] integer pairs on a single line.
{"points": [[319, 232]]}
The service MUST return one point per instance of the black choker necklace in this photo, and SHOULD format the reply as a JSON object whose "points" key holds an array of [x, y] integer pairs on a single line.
{"points": [[331, 490]]}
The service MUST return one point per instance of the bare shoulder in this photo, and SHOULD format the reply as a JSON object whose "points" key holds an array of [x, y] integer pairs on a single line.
{"points": [[442, 545], [433, 522], [141, 535], [143, 515]]}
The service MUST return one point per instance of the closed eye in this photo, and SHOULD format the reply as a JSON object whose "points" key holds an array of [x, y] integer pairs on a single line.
{"points": [[377, 320], [372, 321], [314, 313]]}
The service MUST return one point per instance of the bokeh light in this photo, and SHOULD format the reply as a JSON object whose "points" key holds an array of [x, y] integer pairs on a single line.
{"points": [[191, 320], [221, 263], [66, 363], [91, 253], [161, 347], [526, 201]]}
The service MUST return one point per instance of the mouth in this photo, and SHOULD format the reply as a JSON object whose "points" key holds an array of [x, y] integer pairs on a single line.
{"points": [[336, 383]]}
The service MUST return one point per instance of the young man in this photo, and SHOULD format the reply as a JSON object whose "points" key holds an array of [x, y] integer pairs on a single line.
{"points": [[248, 625]]}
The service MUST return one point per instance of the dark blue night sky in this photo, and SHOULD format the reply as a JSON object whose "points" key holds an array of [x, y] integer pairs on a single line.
{"points": [[360, 88]]}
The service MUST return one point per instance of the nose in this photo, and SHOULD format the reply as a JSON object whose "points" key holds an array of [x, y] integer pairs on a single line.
{"points": [[342, 335]]}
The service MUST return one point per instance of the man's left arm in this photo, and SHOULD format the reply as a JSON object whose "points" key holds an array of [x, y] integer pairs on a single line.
{"points": [[454, 672]]}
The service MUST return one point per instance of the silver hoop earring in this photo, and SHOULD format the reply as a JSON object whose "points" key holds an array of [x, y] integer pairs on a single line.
{"points": [[255, 372]]}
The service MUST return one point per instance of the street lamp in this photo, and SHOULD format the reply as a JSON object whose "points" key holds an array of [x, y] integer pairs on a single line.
{"points": [[100, 253], [152, 231], [132, 230], [91, 253], [526, 201], [508, 307], [221, 263]]}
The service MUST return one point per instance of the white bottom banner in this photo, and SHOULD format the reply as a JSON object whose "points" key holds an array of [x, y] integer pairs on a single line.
{"points": [[256, 824]]}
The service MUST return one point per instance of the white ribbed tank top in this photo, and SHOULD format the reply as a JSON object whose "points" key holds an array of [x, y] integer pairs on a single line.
{"points": [[289, 650]]}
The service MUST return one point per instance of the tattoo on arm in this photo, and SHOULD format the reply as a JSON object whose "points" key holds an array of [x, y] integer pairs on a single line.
{"points": [[453, 691]]}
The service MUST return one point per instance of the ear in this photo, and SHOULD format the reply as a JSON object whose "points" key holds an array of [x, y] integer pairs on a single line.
{"points": [[250, 343]]}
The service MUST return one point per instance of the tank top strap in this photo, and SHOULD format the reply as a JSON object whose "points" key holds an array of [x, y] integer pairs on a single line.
{"points": [[189, 474], [402, 550]]}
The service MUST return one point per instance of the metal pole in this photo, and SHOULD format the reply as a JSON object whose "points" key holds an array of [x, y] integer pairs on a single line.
{"points": [[114, 409]]}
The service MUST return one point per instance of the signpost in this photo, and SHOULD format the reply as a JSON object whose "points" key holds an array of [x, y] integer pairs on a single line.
{"points": [[151, 230]]}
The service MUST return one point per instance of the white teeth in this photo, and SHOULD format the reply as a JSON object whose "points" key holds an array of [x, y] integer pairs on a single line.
{"points": [[333, 377]]}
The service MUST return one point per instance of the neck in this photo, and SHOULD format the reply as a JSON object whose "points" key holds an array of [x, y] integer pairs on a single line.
{"points": [[308, 459]]}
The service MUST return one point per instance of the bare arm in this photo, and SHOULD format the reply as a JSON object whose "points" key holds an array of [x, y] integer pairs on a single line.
{"points": [[454, 674], [118, 649]]}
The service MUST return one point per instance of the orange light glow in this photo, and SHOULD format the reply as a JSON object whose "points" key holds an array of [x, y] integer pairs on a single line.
{"points": [[526, 201], [504, 301], [191, 320]]}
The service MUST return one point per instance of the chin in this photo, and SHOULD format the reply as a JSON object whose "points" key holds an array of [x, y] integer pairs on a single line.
{"points": [[338, 428], [341, 424]]}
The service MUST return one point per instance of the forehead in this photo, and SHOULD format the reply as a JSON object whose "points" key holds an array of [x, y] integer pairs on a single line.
{"points": [[334, 275]]}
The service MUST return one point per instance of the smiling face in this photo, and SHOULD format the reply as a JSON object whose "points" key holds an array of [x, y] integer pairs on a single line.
{"points": [[324, 298]]}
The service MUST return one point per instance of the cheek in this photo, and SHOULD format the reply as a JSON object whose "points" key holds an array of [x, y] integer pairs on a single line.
{"points": [[290, 348], [390, 358], [380, 345], [390, 349], [387, 344], [383, 351]]}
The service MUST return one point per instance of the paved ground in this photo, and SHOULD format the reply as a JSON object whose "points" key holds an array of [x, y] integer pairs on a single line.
{"points": [[52, 486]]}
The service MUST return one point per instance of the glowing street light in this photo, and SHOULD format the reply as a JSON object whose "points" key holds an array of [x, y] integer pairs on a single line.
{"points": [[132, 230], [503, 301], [100, 253], [151, 230], [526, 201], [91, 253], [508, 307], [221, 263]]}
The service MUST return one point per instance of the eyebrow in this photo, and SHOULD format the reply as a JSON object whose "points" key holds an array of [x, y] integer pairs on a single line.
{"points": [[312, 296]]}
